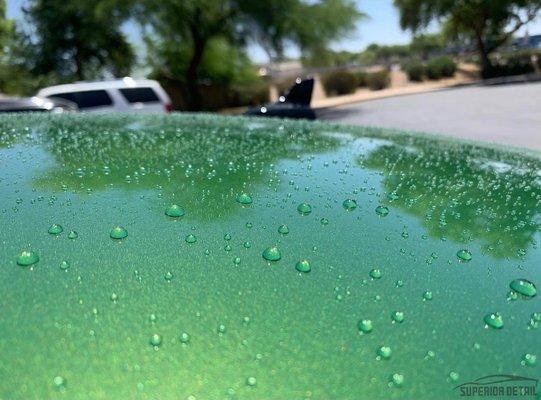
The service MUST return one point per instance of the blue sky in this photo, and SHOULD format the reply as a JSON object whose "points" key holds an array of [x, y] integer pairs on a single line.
{"points": [[381, 27]]}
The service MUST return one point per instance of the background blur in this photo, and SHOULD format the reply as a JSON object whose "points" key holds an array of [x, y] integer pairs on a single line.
{"points": [[228, 54]]}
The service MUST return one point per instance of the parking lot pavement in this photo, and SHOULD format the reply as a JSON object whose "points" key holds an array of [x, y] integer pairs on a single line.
{"points": [[506, 114]]}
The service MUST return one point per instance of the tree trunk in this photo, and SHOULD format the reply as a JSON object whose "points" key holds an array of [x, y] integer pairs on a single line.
{"points": [[483, 52], [194, 100], [79, 66]]}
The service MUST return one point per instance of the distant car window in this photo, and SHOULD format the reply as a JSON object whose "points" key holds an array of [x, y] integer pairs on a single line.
{"points": [[88, 98], [140, 95]]}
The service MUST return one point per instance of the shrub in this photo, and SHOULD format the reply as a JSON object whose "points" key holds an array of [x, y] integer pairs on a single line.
{"points": [[512, 64], [378, 80], [339, 82], [361, 79], [252, 94], [440, 67], [415, 71]]}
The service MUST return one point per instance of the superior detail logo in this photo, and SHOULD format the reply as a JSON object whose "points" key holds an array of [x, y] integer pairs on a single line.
{"points": [[499, 386]]}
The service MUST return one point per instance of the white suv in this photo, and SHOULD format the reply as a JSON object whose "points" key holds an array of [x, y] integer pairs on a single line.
{"points": [[122, 95]]}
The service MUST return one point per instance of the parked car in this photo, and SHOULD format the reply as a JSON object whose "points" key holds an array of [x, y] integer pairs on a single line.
{"points": [[122, 95], [39, 104], [295, 104]]}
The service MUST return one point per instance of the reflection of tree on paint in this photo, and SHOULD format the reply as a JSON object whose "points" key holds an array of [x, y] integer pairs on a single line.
{"points": [[464, 192], [187, 158]]}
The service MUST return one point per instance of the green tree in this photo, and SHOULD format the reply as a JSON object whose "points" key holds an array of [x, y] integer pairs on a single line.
{"points": [[488, 23], [189, 27], [424, 45], [77, 39]]}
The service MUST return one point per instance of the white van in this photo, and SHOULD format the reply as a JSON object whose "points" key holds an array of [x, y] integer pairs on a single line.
{"points": [[122, 95]]}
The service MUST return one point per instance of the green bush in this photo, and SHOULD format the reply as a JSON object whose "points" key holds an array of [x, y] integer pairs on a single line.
{"points": [[361, 79], [378, 80], [440, 67], [339, 83], [415, 71], [249, 95], [511, 64]]}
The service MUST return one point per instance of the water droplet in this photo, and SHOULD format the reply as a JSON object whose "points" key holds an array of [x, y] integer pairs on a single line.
{"points": [[324, 221], [529, 360], [524, 287], [349, 204], [59, 382], [114, 297], [191, 238], [221, 329], [251, 381], [382, 211], [397, 380], [244, 198], [227, 236], [427, 295], [303, 266], [384, 353], [375, 273], [365, 326], [152, 318], [156, 340], [168, 276], [184, 338], [236, 261], [398, 316], [118, 232], [464, 255], [27, 257], [247, 245], [283, 230], [494, 320], [64, 265], [55, 229], [174, 211], [304, 208], [272, 254], [454, 376], [73, 235]]}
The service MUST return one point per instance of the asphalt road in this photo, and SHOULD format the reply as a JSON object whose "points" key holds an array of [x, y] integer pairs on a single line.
{"points": [[505, 114]]}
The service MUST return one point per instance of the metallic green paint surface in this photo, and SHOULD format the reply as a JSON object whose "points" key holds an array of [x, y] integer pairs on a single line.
{"points": [[153, 315]]}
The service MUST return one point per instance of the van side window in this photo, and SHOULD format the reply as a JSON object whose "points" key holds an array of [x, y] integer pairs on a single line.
{"points": [[87, 99], [139, 95]]}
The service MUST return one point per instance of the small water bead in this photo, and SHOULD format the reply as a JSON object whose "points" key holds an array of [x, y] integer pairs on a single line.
{"points": [[191, 238], [535, 321], [59, 382], [236, 261], [55, 229], [399, 283], [365, 326], [375, 273], [427, 295], [397, 380], [247, 245], [384, 353], [184, 338], [114, 297], [251, 381], [398, 316], [156, 340], [303, 266], [430, 355], [228, 247], [272, 254], [73, 235], [64, 265], [304, 208], [221, 329], [349, 204], [382, 211], [244, 199], [168, 276], [453, 376], [324, 221], [283, 229], [494, 320], [118, 232], [464, 255], [27, 258], [249, 225], [227, 236], [174, 211], [529, 360], [152, 318], [523, 287]]}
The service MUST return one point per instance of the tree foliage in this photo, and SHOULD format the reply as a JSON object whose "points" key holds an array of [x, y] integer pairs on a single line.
{"points": [[488, 23], [77, 39]]}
